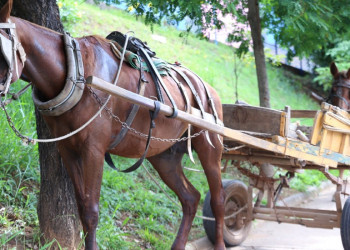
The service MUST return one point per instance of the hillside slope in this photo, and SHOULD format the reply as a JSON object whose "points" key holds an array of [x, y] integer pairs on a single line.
{"points": [[134, 212], [214, 63]]}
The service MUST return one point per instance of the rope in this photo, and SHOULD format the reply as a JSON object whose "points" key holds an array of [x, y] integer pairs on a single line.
{"points": [[26, 139], [16, 96]]}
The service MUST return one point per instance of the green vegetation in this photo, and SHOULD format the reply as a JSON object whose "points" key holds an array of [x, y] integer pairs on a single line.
{"points": [[134, 213]]}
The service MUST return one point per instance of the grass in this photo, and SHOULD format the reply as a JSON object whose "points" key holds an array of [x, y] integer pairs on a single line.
{"points": [[134, 213]]}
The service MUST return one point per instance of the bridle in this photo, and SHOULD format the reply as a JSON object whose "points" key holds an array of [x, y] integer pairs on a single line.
{"points": [[9, 48], [338, 93]]}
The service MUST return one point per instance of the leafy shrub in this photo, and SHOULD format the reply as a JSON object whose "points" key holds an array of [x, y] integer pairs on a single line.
{"points": [[69, 12], [341, 56]]}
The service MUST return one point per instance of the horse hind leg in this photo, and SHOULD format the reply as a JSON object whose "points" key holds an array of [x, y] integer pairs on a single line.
{"points": [[168, 166], [210, 158]]}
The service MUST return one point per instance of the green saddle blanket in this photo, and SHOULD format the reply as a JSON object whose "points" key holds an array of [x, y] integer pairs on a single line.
{"points": [[135, 61]]}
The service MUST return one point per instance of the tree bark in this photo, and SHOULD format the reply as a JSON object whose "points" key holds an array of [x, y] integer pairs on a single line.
{"points": [[266, 169], [57, 210], [258, 46]]}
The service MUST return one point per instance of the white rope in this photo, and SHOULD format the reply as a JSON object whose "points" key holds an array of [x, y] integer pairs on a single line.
{"points": [[33, 141]]}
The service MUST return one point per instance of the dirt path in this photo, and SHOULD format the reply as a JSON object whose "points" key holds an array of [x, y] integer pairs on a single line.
{"points": [[267, 235]]}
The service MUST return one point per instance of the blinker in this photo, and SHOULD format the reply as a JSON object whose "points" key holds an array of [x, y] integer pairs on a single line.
{"points": [[6, 49]]}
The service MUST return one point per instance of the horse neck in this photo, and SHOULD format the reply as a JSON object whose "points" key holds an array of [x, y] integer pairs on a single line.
{"points": [[45, 66]]}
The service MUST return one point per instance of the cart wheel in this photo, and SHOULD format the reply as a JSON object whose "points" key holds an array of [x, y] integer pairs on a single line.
{"points": [[237, 228], [345, 225]]}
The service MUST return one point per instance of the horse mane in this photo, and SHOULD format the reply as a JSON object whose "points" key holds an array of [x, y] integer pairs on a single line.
{"points": [[35, 25]]}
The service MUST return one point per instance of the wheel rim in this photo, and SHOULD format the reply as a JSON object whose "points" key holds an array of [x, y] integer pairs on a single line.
{"points": [[235, 224]]}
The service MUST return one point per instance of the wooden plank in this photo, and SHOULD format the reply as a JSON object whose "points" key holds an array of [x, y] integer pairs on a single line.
{"points": [[265, 159], [316, 129], [251, 118], [334, 140], [324, 140], [287, 121], [297, 212], [208, 124], [327, 107], [307, 223], [331, 121], [283, 124], [303, 113], [312, 152], [304, 216]]}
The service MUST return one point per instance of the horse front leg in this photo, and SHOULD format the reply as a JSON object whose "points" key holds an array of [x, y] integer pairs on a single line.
{"points": [[85, 169]]}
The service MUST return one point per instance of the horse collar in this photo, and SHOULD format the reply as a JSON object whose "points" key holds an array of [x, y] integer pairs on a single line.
{"points": [[74, 87]]}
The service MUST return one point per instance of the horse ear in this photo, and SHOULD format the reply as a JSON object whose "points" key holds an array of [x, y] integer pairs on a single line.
{"points": [[334, 69], [6, 11]]}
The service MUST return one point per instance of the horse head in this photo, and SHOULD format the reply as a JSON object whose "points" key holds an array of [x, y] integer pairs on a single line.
{"points": [[12, 55], [340, 92]]}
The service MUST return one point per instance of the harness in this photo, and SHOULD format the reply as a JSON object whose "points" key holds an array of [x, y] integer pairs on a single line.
{"points": [[74, 87], [9, 48], [338, 93]]}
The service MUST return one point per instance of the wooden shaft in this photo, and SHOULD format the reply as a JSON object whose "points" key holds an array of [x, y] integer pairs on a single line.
{"points": [[208, 123], [193, 117], [298, 212], [261, 159], [308, 217], [307, 223], [303, 113]]}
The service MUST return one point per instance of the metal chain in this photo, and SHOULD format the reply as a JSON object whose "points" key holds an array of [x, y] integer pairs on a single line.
{"points": [[24, 139], [125, 125]]}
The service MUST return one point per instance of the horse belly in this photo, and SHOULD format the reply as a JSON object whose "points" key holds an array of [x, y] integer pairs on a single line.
{"points": [[163, 135]]}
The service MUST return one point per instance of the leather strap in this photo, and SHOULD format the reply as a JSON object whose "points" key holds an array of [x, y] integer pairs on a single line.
{"points": [[129, 120], [158, 78], [210, 98], [196, 96], [7, 26], [193, 90], [153, 116], [187, 108], [133, 112]]}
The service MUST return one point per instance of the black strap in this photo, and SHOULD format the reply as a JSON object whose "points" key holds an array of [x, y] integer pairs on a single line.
{"points": [[141, 54], [132, 114], [153, 116], [158, 82]]}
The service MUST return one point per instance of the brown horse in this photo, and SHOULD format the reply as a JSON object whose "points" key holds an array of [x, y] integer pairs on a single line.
{"points": [[340, 92], [83, 154]]}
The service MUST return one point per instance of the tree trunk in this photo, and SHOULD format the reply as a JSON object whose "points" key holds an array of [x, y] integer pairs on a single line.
{"points": [[258, 46], [266, 169], [57, 210]]}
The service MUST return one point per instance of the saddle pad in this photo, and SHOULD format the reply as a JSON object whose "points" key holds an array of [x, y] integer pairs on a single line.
{"points": [[133, 44]]}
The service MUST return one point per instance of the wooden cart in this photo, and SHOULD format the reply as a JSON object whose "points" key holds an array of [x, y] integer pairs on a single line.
{"points": [[323, 146], [266, 136]]}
